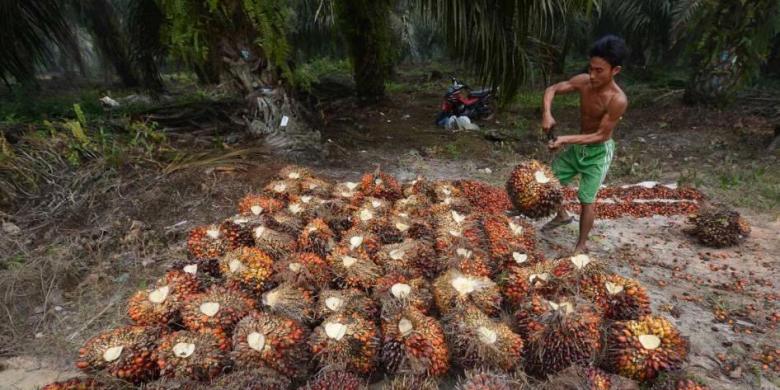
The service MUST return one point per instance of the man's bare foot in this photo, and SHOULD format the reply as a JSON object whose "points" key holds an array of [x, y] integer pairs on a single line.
{"points": [[557, 222], [581, 250]]}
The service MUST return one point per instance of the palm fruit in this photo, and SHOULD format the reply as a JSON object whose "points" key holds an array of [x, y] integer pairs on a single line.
{"points": [[288, 221], [569, 335], [403, 258], [335, 213], [316, 187], [579, 378], [641, 349], [414, 343], [719, 227], [510, 241], [269, 340], [317, 237], [488, 380], [366, 217], [348, 192], [479, 341], [416, 206], [468, 261], [206, 271], [160, 304], [420, 186], [252, 379], [527, 317], [125, 353], [293, 172], [304, 269], [534, 190], [445, 192], [519, 282], [621, 298], [580, 273], [303, 207], [277, 244], [206, 242], [336, 380], [411, 382], [358, 240], [678, 380], [484, 197], [282, 189], [380, 185], [454, 289], [256, 205], [348, 340], [247, 268], [346, 301], [217, 308], [237, 230], [194, 355], [451, 227], [398, 291], [290, 301], [353, 267], [80, 383]]}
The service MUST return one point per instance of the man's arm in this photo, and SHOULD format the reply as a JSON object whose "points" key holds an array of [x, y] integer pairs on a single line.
{"points": [[615, 111], [564, 87]]}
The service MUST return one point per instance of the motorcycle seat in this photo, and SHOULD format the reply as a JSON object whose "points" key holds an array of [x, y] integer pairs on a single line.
{"points": [[481, 92]]}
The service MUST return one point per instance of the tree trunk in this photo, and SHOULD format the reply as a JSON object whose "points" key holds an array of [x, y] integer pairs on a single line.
{"points": [[104, 26]]}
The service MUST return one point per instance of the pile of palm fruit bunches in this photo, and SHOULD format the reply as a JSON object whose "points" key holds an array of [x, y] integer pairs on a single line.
{"points": [[314, 285]]}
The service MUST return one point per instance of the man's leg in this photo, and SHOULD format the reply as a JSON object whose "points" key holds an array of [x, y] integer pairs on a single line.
{"points": [[587, 215], [564, 169]]}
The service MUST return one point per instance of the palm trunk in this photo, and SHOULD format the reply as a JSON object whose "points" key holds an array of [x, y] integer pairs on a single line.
{"points": [[104, 26]]}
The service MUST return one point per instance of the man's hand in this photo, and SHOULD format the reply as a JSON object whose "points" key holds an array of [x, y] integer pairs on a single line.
{"points": [[556, 143], [548, 122]]}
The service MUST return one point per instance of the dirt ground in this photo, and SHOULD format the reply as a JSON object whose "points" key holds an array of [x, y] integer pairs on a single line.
{"points": [[80, 269]]}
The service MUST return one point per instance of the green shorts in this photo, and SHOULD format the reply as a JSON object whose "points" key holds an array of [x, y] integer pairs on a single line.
{"points": [[591, 162]]}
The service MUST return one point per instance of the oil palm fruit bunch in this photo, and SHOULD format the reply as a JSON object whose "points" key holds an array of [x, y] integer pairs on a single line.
{"points": [[403, 257], [451, 227], [316, 187], [678, 381], [352, 265], [420, 186], [359, 240], [282, 189], [479, 341], [446, 192], [304, 207], [416, 206], [257, 205], [470, 262], [414, 343], [160, 304], [621, 299], [206, 271], [291, 301], [569, 335], [580, 273], [336, 213], [349, 300], [346, 340], [79, 383], [641, 349], [534, 190], [252, 379], [304, 269], [125, 353], [348, 192], [237, 230], [480, 379], [508, 239], [527, 317], [408, 382], [198, 356], [218, 308], [247, 268], [579, 378], [454, 290], [366, 217], [293, 172], [719, 227], [336, 379], [398, 291], [484, 197], [275, 243], [519, 282], [380, 185], [288, 221], [273, 341], [317, 237], [206, 242]]}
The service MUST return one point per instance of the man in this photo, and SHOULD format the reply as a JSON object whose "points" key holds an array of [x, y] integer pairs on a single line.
{"points": [[602, 104]]}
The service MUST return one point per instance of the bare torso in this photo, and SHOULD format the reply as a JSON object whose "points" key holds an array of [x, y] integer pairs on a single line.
{"points": [[593, 105]]}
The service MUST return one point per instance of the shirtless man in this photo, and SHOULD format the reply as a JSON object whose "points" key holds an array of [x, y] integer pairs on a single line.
{"points": [[602, 104]]}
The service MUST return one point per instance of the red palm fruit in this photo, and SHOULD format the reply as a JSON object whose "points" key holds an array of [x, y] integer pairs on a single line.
{"points": [[290, 301], [387, 233], [206, 271], [217, 308], [125, 353], [481, 379], [641, 349], [273, 341], [479, 341], [346, 301], [237, 230], [332, 380], [719, 227], [287, 221], [275, 243], [420, 186], [247, 268], [380, 185], [317, 237], [346, 340], [678, 380], [403, 258], [293, 172], [534, 190], [336, 214], [80, 383], [519, 282], [352, 266], [257, 205], [348, 192], [356, 239], [160, 303], [468, 261], [454, 289], [198, 356], [444, 190], [580, 272], [398, 291], [282, 189], [620, 298], [206, 242], [304, 269], [316, 187], [508, 239], [408, 382], [527, 317], [304, 207], [484, 197], [252, 379], [569, 335], [413, 206], [579, 378], [414, 343]]}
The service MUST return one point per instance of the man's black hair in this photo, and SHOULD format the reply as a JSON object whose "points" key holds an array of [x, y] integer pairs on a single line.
{"points": [[611, 48]]}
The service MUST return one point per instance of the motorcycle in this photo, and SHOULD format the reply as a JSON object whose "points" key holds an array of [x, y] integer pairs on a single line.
{"points": [[460, 101]]}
